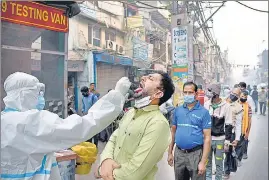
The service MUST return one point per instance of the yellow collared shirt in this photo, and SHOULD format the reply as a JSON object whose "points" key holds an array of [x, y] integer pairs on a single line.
{"points": [[138, 144]]}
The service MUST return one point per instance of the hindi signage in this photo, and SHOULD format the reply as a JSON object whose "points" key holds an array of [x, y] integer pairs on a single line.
{"points": [[180, 45]]}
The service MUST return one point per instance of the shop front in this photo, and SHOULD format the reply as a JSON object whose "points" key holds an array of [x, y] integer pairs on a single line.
{"points": [[108, 69], [34, 41]]}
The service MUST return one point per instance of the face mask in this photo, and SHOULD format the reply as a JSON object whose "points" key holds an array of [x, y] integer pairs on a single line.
{"points": [[243, 100], [41, 102], [188, 99], [143, 102], [233, 98]]}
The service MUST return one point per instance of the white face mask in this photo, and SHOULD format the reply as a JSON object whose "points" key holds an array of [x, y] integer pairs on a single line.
{"points": [[140, 103]]}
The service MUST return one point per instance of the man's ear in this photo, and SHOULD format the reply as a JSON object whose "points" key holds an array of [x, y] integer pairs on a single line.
{"points": [[158, 95]]}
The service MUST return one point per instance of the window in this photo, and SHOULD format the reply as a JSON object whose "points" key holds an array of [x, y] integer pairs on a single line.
{"points": [[94, 36], [46, 62], [110, 36]]}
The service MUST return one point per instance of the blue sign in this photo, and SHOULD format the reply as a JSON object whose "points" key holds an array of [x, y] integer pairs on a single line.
{"points": [[91, 13], [107, 58]]}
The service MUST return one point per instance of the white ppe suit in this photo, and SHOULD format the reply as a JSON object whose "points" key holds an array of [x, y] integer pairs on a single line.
{"points": [[30, 137]]}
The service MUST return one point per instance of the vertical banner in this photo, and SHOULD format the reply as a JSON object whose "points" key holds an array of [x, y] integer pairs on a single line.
{"points": [[180, 61], [182, 54], [190, 52]]}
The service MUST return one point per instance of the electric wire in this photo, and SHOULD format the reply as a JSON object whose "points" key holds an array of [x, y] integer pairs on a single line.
{"points": [[263, 11]]}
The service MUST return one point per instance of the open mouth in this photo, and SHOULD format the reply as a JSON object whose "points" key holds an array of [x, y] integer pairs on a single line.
{"points": [[138, 91]]}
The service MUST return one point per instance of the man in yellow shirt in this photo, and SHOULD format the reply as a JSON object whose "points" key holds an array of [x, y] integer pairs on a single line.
{"points": [[135, 148]]}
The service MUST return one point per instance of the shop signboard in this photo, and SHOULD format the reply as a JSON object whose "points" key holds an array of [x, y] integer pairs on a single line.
{"points": [[87, 11], [140, 49], [34, 14], [75, 66], [107, 58]]}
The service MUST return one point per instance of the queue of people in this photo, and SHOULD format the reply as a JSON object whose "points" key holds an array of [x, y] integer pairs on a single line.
{"points": [[219, 127]]}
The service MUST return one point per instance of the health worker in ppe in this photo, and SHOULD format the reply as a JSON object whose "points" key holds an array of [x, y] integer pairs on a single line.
{"points": [[30, 136]]}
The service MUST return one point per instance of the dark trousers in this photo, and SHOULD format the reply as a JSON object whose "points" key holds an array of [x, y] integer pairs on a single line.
{"points": [[262, 107], [256, 105], [241, 147], [228, 154], [94, 140], [186, 165]]}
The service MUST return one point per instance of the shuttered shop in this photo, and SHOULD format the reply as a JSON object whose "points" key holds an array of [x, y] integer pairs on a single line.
{"points": [[108, 75]]}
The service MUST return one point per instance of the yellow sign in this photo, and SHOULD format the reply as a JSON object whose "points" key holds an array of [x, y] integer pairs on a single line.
{"points": [[134, 21]]}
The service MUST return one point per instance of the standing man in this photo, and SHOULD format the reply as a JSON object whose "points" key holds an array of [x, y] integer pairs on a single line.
{"points": [[217, 109], [88, 100], [262, 100], [233, 124], [242, 146], [201, 95], [139, 143], [243, 87], [254, 94], [191, 132], [92, 90]]}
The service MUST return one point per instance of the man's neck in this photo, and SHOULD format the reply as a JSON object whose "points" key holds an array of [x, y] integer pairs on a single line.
{"points": [[216, 100], [190, 106]]}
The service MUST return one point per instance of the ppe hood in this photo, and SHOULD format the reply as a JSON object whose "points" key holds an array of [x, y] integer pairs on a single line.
{"points": [[22, 91]]}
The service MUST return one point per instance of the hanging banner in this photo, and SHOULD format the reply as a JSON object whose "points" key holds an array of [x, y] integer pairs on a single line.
{"points": [[179, 77], [180, 45], [34, 14]]}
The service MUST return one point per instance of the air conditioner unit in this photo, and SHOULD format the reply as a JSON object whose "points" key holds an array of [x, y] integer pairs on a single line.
{"points": [[121, 50], [110, 45]]}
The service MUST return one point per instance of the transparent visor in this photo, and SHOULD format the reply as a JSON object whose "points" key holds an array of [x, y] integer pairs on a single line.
{"points": [[41, 89]]}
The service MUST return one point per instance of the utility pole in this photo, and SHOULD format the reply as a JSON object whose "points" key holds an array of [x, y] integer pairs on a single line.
{"points": [[182, 49]]}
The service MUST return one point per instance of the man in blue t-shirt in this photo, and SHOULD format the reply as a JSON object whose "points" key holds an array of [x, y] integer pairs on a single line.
{"points": [[191, 132], [88, 100]]}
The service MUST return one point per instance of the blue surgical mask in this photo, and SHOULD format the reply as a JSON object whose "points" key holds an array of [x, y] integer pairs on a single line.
{"points": [[41, 102], [188, 99]]}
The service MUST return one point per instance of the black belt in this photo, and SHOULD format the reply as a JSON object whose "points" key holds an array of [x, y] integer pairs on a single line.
{"points": [[191, 150]]}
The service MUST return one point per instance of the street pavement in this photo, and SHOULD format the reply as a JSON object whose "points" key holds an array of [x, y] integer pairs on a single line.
{"points": [[254, 168]]}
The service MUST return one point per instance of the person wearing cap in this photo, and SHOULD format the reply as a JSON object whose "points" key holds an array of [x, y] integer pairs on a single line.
{"points": [[217, 109]]}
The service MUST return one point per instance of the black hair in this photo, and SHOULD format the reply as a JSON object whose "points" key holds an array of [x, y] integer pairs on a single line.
{"points": [[243, 84], [85, 91], [109, 90], [200, 86], [192, 84], [168, 87], [92, 84], [245, 93]]}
